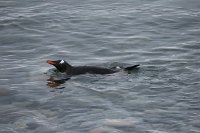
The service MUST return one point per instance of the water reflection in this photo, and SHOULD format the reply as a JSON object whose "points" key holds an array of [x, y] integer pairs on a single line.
{"points": [[56, 83]]}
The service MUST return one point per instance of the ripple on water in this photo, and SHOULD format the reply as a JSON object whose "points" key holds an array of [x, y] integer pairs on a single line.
{"points": [[170, 49], [104, 130]]}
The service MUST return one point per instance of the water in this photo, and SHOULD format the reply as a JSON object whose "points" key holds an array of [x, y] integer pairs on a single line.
{"points": [[161, 97]]}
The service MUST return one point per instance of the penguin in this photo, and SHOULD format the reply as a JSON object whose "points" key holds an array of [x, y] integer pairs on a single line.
{"points": [[65, 67]]}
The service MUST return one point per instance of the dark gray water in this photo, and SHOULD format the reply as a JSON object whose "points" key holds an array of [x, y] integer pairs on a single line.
{"points": [[161, 35]]}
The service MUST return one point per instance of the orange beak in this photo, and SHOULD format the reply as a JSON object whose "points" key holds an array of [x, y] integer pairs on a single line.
{"points": [[51, 62]]}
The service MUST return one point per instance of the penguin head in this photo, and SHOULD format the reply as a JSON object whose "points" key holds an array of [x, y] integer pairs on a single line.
{"points": [[61, 65]]}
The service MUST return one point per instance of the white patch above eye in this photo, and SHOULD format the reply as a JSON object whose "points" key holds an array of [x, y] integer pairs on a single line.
{"points": [[62, 61]]}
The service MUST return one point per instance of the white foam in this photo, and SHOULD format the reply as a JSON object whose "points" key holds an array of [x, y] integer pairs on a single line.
{"points": [[119, 122], [118, 67]]}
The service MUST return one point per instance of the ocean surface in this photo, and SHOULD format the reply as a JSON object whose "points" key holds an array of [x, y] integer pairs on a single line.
{"points": [[163, 36]]}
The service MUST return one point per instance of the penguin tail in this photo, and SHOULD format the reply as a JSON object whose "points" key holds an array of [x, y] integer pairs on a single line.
{"points": [[131, 67]]}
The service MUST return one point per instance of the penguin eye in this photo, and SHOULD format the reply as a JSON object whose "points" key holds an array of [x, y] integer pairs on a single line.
{"points": [[62, 61]]}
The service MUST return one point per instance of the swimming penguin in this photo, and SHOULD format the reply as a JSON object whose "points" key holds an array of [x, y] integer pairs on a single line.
{"points": [[65, 67]]}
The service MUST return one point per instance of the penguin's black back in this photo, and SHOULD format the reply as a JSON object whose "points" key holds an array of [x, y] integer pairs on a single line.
{"points": [[76, 70]]}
